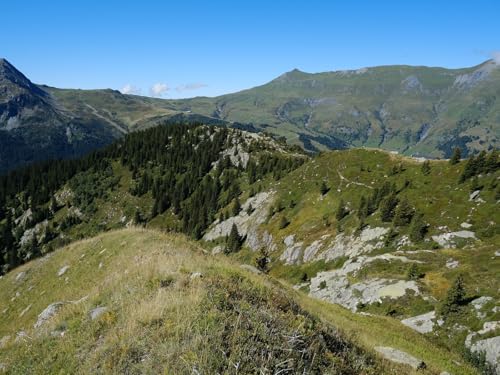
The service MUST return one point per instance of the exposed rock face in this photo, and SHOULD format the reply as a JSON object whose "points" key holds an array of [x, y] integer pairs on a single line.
{"points": [[334, 286], [311, 251], [48, 313], [292, 252], [248, 225], [422, 323], [448, 239], [489, 346], [37, 232], [399, 356], [478, 305], [344, 245]]}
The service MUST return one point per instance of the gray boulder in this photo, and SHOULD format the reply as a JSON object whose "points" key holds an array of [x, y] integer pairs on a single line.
{"points": [[48, 313], [97, 312], [398, 356]]}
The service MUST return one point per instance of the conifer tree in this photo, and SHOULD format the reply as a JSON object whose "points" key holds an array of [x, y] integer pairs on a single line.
{"points": [[454, 298], [418, 227], [341, 211], [283, 222], [404, 213], [236, 207], [362, 208], [387, 207], [324, 188], [426, 168], [234, 240], [457, 155]]}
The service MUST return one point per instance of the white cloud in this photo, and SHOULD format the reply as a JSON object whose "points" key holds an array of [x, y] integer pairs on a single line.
{"points": [[190, 87], [130, 90], [495, 55], [159, 89]]}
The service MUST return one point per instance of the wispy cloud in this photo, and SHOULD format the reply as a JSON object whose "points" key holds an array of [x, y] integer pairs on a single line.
{"points": [[190, 87], [495, 55], [130, 89], [159, 89]]}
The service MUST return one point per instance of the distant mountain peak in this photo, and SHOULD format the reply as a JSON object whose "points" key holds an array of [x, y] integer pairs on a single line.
{"points": [[10, 76]]}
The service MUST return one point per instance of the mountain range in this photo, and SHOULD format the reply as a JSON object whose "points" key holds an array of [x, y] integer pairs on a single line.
{"points": [[412, 110]]}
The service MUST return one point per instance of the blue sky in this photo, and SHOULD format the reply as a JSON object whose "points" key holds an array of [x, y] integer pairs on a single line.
{"points": [[189, 48]]}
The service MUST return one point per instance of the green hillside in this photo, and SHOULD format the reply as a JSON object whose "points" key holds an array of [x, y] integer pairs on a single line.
{"points": [[378, 240], [137, 301], [413, 110]]}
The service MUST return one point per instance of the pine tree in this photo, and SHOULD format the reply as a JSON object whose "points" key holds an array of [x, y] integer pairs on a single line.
{"points": [[418, 228], [137, 217], [234, 240], [362, 208], [454, 298], [283, 222], [457, 155], [249, 209], [236, 207], [404, 213], [426, 168], [324, 188], [341, 211], [387, 207]]}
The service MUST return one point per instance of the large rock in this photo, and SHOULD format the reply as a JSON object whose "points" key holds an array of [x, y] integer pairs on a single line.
{"points": [[48, 313], [351, 246], [422, 323], [448, 239], [489, 346], [62, 271], [293, 251], [334, 286], [398, 356], [97, 312], [478, 305]]}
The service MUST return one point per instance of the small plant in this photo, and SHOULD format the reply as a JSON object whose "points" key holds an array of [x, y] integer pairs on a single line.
{"points": [[262, 261], [322, 285], [414, 273], [426, 168], [284, 222]]}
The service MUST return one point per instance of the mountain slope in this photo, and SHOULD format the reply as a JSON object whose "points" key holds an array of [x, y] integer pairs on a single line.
{"points": [[34, 126], [414, 110], [395, 256], [139, 301]]}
